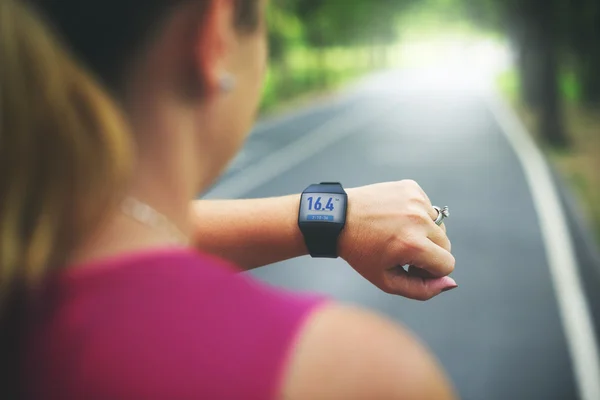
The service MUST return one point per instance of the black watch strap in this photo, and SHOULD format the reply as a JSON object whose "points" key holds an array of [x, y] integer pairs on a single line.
{"points": [[322, 243]]}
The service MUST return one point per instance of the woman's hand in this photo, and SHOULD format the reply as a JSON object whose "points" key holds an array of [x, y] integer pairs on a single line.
{"points": [[390, 225]]}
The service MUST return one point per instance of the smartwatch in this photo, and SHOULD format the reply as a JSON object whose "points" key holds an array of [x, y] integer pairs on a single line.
{"points": [[322, 217]]}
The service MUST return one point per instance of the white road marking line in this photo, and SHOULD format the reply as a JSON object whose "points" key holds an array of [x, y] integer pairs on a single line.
{"points": [[587, 235], [573, 308], [280, 161]]}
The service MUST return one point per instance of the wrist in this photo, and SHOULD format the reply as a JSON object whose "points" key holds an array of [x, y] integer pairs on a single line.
{"points": [[345, 239], [293, 232]]}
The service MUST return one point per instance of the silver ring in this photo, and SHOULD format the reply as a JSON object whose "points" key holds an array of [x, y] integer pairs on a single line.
{"points": [[442, 213]]}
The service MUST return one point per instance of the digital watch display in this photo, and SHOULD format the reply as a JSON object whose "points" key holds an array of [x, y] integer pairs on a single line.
{"points": [[322, 217], [324, 207]]}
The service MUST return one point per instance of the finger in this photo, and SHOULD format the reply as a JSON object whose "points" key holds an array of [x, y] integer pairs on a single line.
{"points": [[419, 272], [428, 201], [433, 213], [438, 236], [433, 258], [443, 227], [402, 283]]}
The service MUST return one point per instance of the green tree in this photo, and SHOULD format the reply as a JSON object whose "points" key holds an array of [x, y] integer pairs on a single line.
{"points": [[582, 29], [532, 27], [350, 22]]}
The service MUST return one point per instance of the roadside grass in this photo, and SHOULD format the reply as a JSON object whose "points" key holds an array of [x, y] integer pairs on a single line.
{"points": [[579, 164]]}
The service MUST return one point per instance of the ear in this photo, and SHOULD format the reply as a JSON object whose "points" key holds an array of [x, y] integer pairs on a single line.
{"points": [[215, 37]]}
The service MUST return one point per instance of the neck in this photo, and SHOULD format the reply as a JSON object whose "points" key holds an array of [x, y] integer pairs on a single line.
{"points": [[167, 178], [170, 169], [160, 185]]}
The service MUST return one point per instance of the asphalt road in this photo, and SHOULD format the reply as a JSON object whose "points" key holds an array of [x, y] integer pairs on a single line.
{"points": [[500, 335]]}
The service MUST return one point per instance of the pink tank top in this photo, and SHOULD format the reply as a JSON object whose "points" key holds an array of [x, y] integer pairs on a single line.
{"points": [[172, 324]]}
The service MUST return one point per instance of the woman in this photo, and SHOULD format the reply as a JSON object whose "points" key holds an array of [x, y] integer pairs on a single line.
{"points": [[102, 299]]}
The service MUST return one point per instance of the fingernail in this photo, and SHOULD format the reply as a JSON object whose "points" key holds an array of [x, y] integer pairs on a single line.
{"points": [[449, 288]]}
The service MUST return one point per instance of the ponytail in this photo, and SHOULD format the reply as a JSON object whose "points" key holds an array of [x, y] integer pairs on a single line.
{"points": [[64, 159]]}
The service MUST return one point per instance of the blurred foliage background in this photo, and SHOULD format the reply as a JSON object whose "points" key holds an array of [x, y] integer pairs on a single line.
{"points": [[554, 81], [318, 44]]}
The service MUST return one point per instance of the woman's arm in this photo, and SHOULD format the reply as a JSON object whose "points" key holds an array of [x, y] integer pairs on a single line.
{"points": [[250, 233], [352, 354], [388, 225]]}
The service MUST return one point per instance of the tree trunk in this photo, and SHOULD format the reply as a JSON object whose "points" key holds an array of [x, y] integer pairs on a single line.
{"points": [[589, 53], [590, 79], [551, 107], [551, 119], [530, 64], [539, 67]]}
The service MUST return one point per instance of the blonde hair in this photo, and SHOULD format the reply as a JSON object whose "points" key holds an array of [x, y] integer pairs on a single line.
{"points": [[64, 155]]}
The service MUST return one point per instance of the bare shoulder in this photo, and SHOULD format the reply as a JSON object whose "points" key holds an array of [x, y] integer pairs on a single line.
{"points": [[348, 353]]}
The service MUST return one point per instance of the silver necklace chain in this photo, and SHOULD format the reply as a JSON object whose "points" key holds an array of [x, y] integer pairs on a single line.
{"points": [[146, 215]]}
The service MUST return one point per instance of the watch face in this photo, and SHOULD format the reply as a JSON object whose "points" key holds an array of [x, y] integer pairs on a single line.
{"points": [[322, 207]]}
